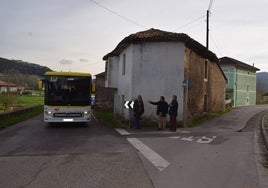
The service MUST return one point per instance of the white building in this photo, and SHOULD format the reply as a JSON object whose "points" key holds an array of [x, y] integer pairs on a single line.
{"points": [[153, 63], [6, 86]]}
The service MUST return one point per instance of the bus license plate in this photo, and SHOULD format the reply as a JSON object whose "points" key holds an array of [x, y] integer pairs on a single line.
{"points": [[68, 120]]}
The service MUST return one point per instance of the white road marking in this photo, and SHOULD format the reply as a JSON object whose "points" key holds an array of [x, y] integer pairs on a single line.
{"points": [[159, 162], [202, 140], [174, 137], [189, 139], [122, 132], [205, 140]]}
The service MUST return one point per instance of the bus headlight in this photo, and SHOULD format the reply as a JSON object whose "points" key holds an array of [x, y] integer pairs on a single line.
{"points": [[86, 113], [49, 113]]}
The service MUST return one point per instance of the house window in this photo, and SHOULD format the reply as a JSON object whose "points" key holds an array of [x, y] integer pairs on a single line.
{"points": [[206, 70], [124, 65], [247, 88]]}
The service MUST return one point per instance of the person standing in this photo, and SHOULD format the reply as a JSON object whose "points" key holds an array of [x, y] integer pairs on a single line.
{"points": [[162, 110], [138, 110], [173, 111]]}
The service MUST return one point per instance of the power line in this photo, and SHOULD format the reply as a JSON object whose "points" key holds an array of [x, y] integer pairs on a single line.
{"points": [[210, 5], [210, 36], [133, 22], [117, 14], [189, 22]]}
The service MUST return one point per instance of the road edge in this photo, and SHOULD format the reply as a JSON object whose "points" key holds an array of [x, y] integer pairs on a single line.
{"points": [[264, 129], [259, 150]]}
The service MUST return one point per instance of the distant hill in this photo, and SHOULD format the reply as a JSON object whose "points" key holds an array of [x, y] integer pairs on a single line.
{"points": [[22, 67], [21, 73], [262, 86], [262, 82]]}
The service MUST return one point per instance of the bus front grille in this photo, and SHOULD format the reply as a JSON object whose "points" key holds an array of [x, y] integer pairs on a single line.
{"points": [[67, 115]]}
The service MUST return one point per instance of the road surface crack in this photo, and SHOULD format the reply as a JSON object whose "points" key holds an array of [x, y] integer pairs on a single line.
{"points": [[42, 168]]}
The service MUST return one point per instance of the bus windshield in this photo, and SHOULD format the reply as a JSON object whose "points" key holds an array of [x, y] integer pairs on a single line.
{"points": [[67, 90]]}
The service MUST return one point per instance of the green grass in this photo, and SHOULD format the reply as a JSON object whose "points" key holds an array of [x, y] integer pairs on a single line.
{"points": [[23, 101], [107, 118], [28, 100], [201, 119], [12, 119]]}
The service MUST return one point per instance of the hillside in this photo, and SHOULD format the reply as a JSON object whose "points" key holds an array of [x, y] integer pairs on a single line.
{"points": [[21, 73], [22, 67]]}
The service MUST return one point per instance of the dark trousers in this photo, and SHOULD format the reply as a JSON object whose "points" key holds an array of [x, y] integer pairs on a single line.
{"points": [[173, 123], [137, 122]]}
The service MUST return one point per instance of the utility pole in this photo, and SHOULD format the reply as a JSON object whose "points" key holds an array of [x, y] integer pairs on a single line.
{"points": [[207, 37], [208, 11], [186, 92]]}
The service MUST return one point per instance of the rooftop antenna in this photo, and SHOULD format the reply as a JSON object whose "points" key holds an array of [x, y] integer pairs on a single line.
{"points": [[208, 11]]}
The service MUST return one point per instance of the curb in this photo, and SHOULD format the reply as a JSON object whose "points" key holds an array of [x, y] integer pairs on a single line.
{"points": [[264, 129]]}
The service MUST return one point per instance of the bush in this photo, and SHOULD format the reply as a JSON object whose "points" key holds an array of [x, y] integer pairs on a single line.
{"points": [[8, 99]]}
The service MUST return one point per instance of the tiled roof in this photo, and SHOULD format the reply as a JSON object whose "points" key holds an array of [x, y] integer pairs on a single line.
{"points": [[155, 35], [2, 83], [234, 62]]}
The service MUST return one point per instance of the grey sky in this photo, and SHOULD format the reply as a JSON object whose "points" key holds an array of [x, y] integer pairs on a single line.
{"points": [[75, 34]]}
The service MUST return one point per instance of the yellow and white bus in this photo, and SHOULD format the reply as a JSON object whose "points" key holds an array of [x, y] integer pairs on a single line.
{"points": [[67, 97]]}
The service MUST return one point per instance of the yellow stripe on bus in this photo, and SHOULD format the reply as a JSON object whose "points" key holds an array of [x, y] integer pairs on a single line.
{"points": [[52, 73]]}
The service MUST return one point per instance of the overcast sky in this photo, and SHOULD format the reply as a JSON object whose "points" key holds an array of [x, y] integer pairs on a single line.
{"points": [[74, 35]]}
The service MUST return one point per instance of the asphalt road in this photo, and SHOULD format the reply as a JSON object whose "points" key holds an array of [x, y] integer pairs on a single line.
{"points": [[224, 153], [93, 155]]}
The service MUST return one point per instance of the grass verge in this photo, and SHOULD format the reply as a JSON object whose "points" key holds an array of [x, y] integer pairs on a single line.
{"points": [[203, 118], [13, 118], [107, 118], [24, 101]]}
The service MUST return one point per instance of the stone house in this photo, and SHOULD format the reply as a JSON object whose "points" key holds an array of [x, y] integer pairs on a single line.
{"points": [[156, 63], [104, 97], [241, 85]]}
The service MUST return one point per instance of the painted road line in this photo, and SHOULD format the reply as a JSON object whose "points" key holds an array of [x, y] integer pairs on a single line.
{"points": [[174, 137], [159, 162], [205, 140], [122, 132], [189, 139]]}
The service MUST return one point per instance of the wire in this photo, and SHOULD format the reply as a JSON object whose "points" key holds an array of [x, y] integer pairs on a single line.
{"points": [[189, 22], [210, 5], [210, 36], [115, 13]]}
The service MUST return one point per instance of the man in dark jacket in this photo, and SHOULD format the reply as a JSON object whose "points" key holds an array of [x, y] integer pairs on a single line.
{"points": [[162, 110], [173, 111], [138, 110]]}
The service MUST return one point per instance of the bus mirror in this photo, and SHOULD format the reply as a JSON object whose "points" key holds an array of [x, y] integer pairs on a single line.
{"points": [[40, 85], [93, 87]]}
